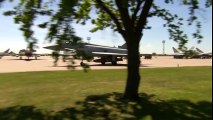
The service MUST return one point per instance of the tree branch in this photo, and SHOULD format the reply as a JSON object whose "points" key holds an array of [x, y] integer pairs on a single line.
{"points": [[123, 10], [111, 14], [134, 15], [143, 16]]}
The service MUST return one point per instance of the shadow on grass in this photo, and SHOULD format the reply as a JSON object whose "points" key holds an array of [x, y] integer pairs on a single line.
{"points": [[100, 65], [17, 59], [112, 107]]}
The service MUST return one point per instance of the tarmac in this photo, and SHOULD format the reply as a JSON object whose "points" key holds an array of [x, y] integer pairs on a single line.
{"points": [[10, 64]]}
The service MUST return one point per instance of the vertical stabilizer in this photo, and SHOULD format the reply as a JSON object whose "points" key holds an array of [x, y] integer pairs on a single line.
{"points": [[6, 51], [175, 50], [123, 46], [200, 51]]}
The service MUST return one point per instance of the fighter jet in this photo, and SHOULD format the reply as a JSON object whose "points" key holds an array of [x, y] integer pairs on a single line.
{"points": [[178, 54], [196, 54], [204, 55], [105, 53], [28, 54]]}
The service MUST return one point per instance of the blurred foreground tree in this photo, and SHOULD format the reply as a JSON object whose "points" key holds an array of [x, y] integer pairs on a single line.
{"points": [[128, 17]]}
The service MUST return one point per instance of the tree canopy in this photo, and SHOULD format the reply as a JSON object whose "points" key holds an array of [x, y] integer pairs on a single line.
{"points": [[119, 15]]}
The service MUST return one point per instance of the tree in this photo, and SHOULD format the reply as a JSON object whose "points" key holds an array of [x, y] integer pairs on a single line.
{"points": [[127, 17]]}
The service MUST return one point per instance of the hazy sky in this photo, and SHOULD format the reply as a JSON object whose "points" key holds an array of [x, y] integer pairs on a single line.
{"points": [[11, 37]]}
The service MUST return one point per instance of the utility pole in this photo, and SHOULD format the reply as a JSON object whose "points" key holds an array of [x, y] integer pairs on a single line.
{"points": [[163, 46]]}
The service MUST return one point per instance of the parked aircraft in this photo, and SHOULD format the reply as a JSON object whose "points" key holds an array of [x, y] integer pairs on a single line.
{"points": [[11, 53], [204, 55], [195, 53], [27, 53], [4, 53], [178, 54], [105, 53]]}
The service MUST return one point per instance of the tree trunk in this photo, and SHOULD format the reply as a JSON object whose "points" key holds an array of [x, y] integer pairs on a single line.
{"points": [[133, 78]]}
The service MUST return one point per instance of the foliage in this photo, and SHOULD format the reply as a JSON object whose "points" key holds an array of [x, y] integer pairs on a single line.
{"points": [[115, 14], [190, 53], [122, 16]]}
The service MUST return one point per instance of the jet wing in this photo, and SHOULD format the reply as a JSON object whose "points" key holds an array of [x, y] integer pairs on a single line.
{"points": [[99, 54], [24, 54]]}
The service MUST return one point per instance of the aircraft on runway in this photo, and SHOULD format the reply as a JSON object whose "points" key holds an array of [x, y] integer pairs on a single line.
{"points": [[6, 52], [204, 55], [178, 54], [106, 53], [195, 54], [27, 53]]}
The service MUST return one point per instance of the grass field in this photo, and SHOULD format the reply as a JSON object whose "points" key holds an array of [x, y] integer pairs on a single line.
{"points": [[166, 94]]}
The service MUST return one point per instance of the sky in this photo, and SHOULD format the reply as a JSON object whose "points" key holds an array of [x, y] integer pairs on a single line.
{"points": [[11, 37]]}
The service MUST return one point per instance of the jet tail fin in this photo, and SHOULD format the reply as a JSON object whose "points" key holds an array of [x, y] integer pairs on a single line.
{"points": [[6, 51], [200, 51], [175, 50], [124, 46]]}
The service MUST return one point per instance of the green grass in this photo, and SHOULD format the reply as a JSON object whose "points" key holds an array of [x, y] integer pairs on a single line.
{"points": [[166, 93]]}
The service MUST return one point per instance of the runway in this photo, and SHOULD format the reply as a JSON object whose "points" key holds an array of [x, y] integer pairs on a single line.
{"points": [[45, 63]]}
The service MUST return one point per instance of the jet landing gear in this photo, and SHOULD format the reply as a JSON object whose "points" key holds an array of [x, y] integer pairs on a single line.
{"points": [[114, 62], [112, 59], [103, 62]]}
